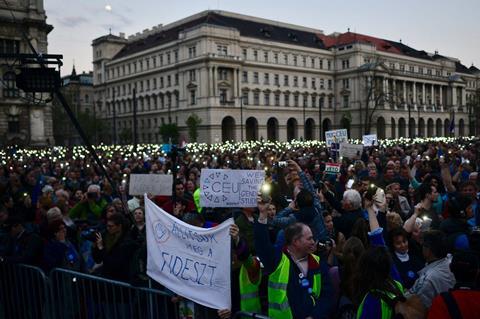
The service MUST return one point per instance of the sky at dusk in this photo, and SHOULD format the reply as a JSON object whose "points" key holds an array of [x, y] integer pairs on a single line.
{"points": [[450, 27]]}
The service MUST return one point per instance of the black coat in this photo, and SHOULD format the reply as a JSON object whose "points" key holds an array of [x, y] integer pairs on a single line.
{"points": [[26, 249], [117, 262]]}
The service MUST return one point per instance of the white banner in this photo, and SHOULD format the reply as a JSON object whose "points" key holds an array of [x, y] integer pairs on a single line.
{"points": [[191, 261], [155, 184], [336, 136], [230, 188], [370, 140], [351, 151]]}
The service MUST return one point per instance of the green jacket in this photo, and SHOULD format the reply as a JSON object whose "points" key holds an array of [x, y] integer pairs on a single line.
{"points": [[88, 210]]}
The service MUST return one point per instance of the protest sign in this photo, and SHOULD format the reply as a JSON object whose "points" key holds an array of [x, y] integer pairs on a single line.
{"points": [[155, 184], [332, 168], [370, 140], [191, 261], [351, 151], [336, 136], [230, 188]]}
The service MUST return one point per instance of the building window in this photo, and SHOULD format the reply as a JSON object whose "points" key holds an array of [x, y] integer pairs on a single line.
{"points": [[141, 86], [285, 80], [192, 52], [244, 54], [295, 81], [321, 64], [147, 62], [255, 77], [322, 83], [193, 99], [223, 74], [222, 49], [192, 75], [304, 61], [13, 125], [154, 61], [256, 98], [161, 82], [305, 100], [346, 83], [420, 70], [295, 60], [345, 101], [176, 79], [402, 67], [168, 58], [266, 80], [175, 54], [314, 101], [169, 80], [244, 77], [330, 102], [285, 58], [245, 97], [266, 96], [255, 55], [265, 56], [277, 99], [411, 68], [161, 59], [312, 62], [286, 98], [276, 79], [329, 84], [304, 82], [275, 58], [148, 85], [345, 64], [314, 84], [223, 96], [295, 100], [329, 65], [10, 87]]}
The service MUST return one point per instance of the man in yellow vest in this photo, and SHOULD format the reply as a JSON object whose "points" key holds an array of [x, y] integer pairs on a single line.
{"points": [[298, 284]]}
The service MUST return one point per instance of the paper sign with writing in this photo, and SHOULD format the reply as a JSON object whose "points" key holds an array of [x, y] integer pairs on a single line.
{"points": [[332, 168], [336, 136], [191, 261], [230, 188], [370, 140], [155, 184], [351, 151]]}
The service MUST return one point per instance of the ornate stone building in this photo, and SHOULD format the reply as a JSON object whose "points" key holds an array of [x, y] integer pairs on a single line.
{"points": [[252, 78], [25, 119]]}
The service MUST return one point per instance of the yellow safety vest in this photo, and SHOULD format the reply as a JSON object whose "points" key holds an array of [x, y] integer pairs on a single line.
{"points": [[249, 298], [278, 306]]}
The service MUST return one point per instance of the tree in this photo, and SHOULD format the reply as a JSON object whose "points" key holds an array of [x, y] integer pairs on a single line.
{"points": [[169, 132], [193, 122], [375, 95]]}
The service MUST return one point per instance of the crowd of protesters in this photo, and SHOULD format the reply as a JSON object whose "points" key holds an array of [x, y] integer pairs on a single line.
{"points": [[396, 231]]}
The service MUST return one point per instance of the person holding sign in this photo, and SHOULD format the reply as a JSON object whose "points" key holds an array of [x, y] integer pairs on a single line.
{"points": [[298, 281]]}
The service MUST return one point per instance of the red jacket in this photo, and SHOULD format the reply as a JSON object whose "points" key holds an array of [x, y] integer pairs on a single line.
{"points": [[467, 301]]}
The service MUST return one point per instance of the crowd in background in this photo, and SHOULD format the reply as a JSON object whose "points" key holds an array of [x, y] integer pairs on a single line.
{"points": [[388, 234]]}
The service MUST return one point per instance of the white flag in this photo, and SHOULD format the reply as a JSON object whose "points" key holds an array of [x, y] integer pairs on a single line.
{"points": [[191, 261]]}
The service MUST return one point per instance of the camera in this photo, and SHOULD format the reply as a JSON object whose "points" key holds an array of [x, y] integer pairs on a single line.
{"points": [[325, 244], [391, 204], [89, 234], [282, 164], [265, 191]]}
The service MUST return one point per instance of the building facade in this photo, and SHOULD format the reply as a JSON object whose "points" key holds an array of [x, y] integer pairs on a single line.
{"points": [[251, 78], [78, 92], [25, 119]]}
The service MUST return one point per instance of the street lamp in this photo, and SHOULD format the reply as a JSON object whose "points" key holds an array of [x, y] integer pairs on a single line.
{"points": [[241, 117], [114, 118], [320, 102]]}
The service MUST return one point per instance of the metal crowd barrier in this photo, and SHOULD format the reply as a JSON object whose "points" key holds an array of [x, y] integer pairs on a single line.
{"points": [[26, 292]]}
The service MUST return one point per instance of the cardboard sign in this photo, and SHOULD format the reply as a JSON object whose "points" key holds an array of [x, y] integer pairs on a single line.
{"points": [[230, 188], [332, 168], [191, 261], [351, 151], [336, 136], [155, 184], [370, 140]]}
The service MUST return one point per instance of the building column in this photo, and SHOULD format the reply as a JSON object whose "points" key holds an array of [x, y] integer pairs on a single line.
{"points": [[394, 94], [214, 80], [404, 91], [464, 96], [432, 95], [234, 97], [454, 97], [441, 95], [414, 93], [424, 96]]}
